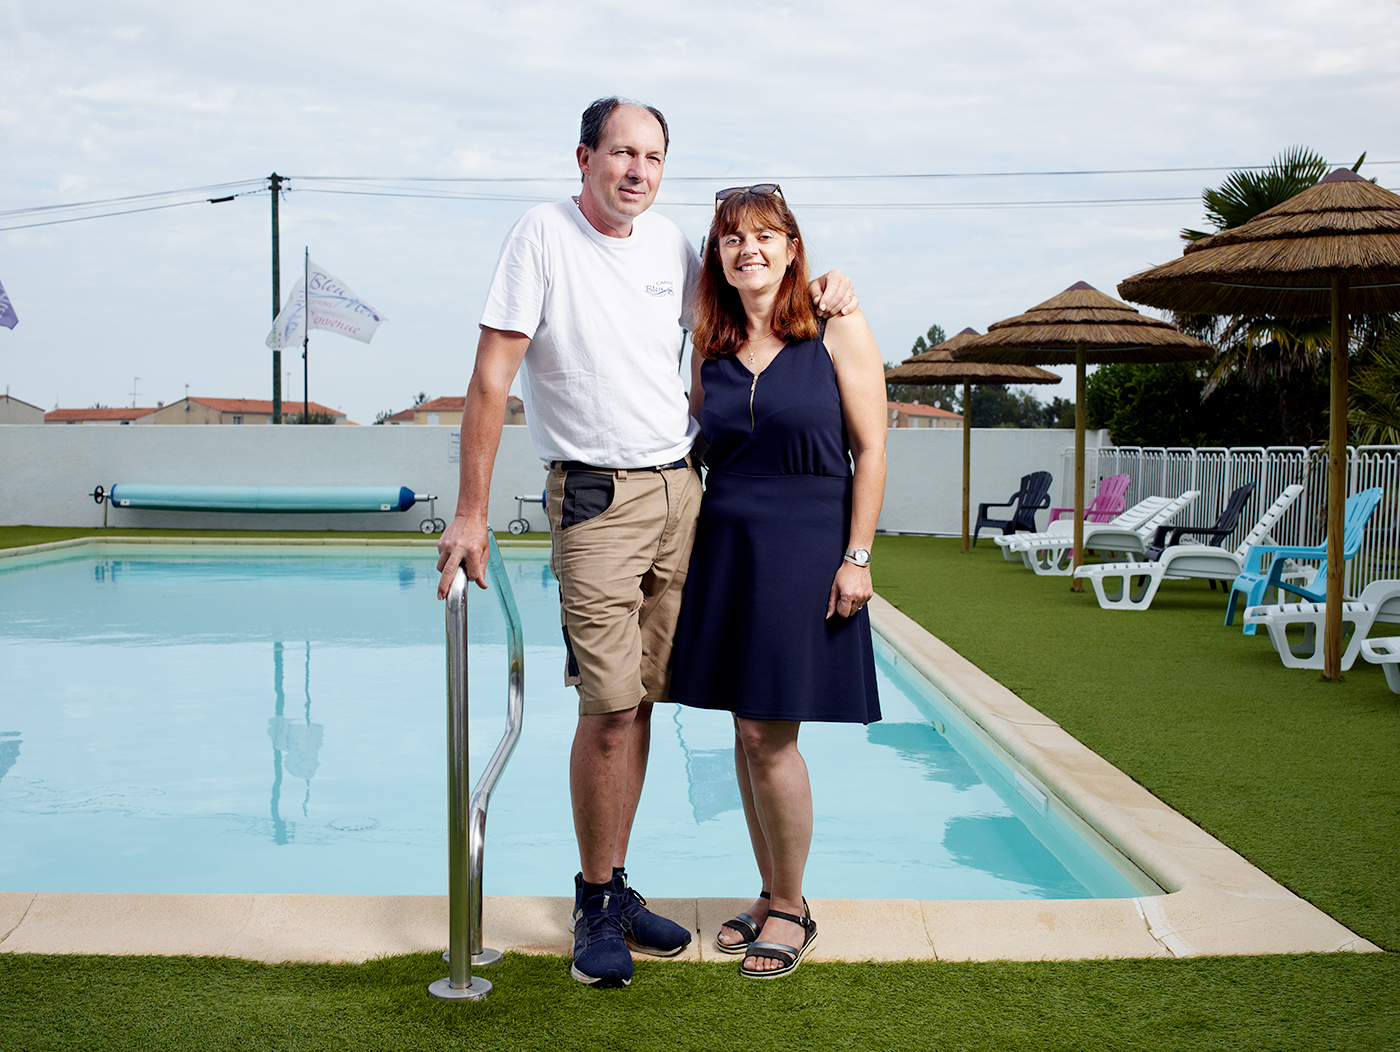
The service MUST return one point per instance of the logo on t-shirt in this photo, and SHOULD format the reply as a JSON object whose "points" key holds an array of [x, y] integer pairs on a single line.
{"points": [[660, 288]]}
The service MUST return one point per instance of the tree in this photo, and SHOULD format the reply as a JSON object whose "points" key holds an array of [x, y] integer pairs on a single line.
{"points": [[935, 336], [994, 405], [1059, 413], [1374, 416], [1289, 353], [1161, 405], [944, 396]]}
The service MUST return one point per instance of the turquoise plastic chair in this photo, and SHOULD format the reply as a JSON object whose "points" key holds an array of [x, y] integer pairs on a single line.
{"points": [[1253, 581]]}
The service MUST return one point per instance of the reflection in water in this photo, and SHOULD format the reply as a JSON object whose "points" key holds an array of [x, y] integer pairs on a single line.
{"points": [[714, 790], [1001, 846], [922, 745], [9, 750], [709, 775], [296, 745]]}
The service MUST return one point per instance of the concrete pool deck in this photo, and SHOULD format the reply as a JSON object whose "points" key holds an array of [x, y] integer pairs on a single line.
{"points": [[1216, 902]]}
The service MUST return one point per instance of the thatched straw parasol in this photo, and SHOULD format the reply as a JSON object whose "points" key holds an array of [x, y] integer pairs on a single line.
{"points": [[936, 367], [1334, 248], [1083, 326]]}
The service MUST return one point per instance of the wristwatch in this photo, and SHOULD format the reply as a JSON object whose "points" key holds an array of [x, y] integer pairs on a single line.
{"points": [[859, 556]]}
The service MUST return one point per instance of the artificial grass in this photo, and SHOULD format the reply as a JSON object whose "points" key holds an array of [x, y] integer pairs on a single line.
{"points": [[1295, 773], [1338, 1001]]}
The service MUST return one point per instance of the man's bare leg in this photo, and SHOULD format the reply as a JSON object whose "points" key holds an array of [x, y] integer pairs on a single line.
{"points": [[639, 746], [607, 768]]}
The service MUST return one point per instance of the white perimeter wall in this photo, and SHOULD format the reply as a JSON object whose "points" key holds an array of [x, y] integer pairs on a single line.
{"points": [[47, 473]]}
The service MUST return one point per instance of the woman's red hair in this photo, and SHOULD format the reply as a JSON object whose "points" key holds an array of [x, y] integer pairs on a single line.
{"points": [[720, 324]]}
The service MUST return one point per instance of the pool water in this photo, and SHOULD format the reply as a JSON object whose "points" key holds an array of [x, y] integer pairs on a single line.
{"points": [[236, 719]]}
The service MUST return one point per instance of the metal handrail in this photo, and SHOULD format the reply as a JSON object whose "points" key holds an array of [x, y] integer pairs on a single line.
{"points": [[466, 817]]}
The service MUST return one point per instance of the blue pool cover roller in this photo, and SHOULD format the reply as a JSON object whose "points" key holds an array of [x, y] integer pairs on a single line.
{"points": [[263, 498]]}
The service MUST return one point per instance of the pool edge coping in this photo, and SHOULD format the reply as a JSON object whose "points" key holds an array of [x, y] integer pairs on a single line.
{"points": [[1216, 902]]}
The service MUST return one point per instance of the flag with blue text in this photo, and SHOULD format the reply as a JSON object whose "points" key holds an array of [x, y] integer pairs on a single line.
{"points": [[332, 306], [8, 317]]}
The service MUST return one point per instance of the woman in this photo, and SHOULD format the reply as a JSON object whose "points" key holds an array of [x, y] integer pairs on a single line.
{"points": [[773, 626]]}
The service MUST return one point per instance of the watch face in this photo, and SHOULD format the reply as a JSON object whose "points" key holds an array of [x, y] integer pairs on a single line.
{"points": [[860, 557]]}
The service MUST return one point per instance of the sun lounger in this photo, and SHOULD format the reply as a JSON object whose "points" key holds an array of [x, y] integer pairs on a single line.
{"points": [[1054, 556], [1385, 652], [1012, 546], [1133, 585], [1379, 603]]}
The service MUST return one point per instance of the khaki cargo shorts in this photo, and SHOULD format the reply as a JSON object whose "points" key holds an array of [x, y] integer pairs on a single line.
{"points": [[620, 549]]}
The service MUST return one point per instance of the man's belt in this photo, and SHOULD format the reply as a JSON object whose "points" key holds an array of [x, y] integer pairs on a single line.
{"points": [[574, 465]]}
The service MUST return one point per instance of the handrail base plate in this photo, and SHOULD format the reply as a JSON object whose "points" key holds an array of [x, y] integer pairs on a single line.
{"points": [[443, 990]]}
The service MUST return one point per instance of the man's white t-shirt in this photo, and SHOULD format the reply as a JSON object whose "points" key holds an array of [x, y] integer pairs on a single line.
{"points": [[602, 382]]}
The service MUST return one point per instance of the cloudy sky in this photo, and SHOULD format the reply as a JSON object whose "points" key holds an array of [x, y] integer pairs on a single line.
{"points": [[962, 162]]}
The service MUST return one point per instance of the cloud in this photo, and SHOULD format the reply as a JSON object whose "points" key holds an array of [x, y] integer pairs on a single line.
{"points": [[105, 99]]}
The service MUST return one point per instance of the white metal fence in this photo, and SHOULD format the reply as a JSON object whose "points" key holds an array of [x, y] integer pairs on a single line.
{"points": [[1217, 472]]}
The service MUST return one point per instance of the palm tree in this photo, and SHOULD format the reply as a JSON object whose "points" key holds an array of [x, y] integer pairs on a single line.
{"points": [[1291, 352], [1374, 416]]}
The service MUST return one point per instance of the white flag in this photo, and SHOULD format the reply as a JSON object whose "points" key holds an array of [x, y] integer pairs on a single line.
{"points": [[333, 307]]}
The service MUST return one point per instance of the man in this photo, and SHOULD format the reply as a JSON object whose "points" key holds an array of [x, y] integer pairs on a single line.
{"points": [[589, 294]]}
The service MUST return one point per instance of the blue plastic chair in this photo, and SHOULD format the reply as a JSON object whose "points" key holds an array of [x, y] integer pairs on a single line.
{"points": [[1254, 581]]}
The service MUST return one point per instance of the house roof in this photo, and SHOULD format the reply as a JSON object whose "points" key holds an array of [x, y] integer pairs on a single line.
{"points": [[916, 409], [18, 401], [259, 405], [446, 404], [126, 413]]}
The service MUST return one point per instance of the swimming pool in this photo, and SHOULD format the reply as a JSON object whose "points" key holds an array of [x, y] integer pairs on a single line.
{"points": [[271, 719]]}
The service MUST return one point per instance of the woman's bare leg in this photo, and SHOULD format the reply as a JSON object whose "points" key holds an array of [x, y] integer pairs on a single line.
{"points": [[782, 803], [759, 910]]}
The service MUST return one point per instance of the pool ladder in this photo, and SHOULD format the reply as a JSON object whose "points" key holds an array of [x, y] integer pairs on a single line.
{"points": [[466, 817]]}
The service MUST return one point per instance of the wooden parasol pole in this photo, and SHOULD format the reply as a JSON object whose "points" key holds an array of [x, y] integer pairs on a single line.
{"points": [[967, 457], [1076, 584], [1336, 484]]}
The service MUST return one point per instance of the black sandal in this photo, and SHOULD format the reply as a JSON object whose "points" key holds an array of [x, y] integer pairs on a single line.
{"points": [[790, 956], [744, 925]]}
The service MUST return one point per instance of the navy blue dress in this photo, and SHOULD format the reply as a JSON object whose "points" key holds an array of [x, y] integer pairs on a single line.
{"points": [[753, 636]]}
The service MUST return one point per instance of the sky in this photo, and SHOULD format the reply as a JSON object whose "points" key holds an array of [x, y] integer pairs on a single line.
{"points": [[914, 140]]}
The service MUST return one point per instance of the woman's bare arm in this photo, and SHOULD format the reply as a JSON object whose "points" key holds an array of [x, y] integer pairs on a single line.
{"points": [[860, 378]]}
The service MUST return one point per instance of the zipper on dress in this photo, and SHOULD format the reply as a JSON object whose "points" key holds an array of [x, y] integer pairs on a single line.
{"points": [[752, 386]]}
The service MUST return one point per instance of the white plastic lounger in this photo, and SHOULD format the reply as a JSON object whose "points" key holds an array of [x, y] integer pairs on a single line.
{"points": [[1385, 652], [1379, 603], [1014, 545], [1114, 582], [1054, 558]]}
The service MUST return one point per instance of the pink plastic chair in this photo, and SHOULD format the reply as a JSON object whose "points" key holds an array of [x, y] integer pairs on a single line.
{"points": [[1108, 502]]}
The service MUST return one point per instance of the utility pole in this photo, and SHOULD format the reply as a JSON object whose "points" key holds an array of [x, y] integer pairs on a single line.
{"points": [[274, 182]]}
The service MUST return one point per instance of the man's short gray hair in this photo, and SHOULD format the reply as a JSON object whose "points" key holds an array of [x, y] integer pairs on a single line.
{"points": [[595, 119]]}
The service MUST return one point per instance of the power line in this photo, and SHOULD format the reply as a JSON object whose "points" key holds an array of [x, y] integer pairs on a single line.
{"points": [[102, 215], [573, 177], [197, 190], [384, 188]]}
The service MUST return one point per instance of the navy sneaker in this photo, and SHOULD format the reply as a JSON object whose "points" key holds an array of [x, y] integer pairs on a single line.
{"points": [[644, 931], [600, 954]]}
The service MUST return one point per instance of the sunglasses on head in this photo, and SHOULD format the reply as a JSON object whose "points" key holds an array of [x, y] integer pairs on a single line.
{"points": [[756, 188]]}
